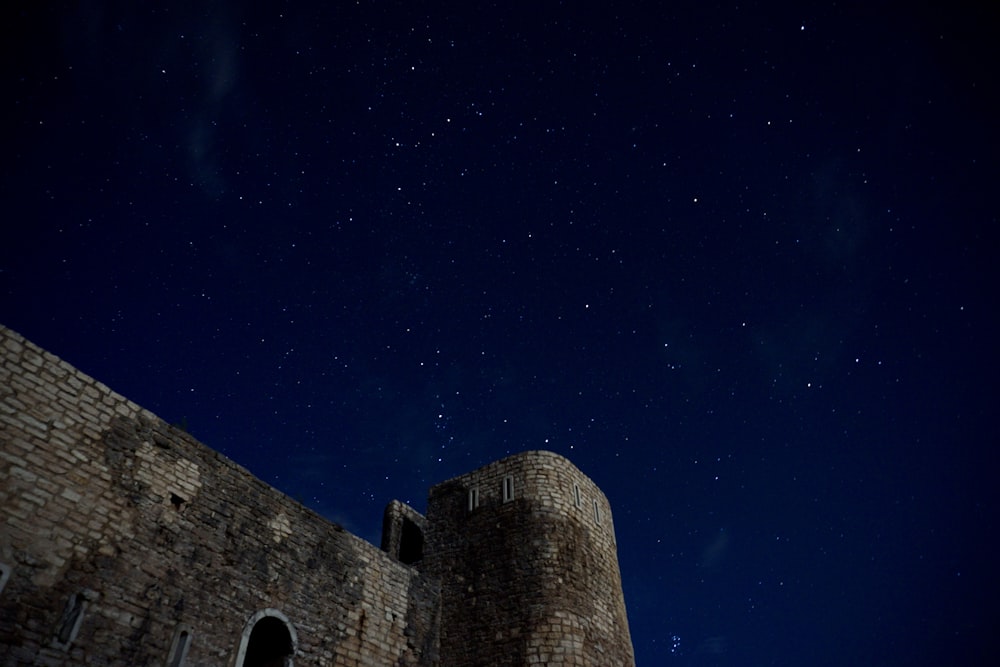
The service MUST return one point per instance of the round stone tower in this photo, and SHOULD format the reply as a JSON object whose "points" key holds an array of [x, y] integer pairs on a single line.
{"points": [[525, 551]]}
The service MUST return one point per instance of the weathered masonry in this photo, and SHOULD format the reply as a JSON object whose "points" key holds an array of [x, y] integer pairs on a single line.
{"points": [[125, 542]]}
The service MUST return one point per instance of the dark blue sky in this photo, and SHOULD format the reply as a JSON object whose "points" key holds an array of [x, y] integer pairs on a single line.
{"points": [[735, 261]]}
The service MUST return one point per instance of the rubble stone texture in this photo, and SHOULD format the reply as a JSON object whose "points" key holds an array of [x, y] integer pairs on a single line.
{"points": [[125, 542]]}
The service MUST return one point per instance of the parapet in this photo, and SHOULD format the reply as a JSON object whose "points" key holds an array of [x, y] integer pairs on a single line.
{"points": [[403, 533]]}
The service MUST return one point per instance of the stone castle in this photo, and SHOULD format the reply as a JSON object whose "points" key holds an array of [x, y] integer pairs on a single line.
{"points": [[126, 542]]}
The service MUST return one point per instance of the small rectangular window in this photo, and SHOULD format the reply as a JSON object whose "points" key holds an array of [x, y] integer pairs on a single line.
{"points": [[508, 488], [597, 512], [179, 650], [473, 498], [4, 575], [577, 500], [72, 617]]}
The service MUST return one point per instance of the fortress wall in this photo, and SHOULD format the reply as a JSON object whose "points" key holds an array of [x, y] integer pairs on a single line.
{"points": [[120, 532], [126, 542], [526, 553]]}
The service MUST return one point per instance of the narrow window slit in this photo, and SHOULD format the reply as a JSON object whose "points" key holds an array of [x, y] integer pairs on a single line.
{"points": [[72, 617], [179, 649], [4, 575], [473, 498]]}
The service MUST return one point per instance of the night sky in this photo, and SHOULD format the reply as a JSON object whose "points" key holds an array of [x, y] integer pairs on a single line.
{"points": [[735, 261]]}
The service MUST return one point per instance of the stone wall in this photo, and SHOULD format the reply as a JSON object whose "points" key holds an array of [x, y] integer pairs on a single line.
{"points": [[525, 550], [124, 541]]}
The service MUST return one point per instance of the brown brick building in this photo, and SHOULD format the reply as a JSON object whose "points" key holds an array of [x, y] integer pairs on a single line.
{"points": [[125, 542]]}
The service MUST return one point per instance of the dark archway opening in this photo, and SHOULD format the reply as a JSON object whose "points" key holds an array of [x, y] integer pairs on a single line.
{"points": [[411, 543], [270, 644]]}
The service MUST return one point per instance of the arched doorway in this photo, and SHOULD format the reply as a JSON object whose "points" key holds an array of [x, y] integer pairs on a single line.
{"points": [[268, 640]]}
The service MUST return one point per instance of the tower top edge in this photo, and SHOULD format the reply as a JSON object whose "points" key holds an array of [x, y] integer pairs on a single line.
{"points": [[526, 458]]}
